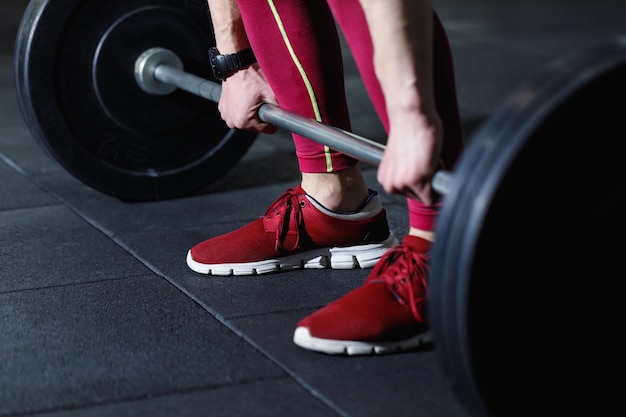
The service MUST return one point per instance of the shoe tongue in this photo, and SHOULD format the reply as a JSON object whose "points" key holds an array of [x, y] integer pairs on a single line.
{"points": [[299, 190], [416, 244]]}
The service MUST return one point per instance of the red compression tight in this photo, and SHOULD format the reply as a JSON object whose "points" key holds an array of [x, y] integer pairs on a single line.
{"points": [[297, 45]]}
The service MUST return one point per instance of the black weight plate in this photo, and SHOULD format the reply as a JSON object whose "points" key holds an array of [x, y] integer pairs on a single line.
{"points": [[76, 87], [525, 301]]}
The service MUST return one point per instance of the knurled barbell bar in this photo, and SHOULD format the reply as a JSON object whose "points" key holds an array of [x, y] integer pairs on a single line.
{"points": [[525, 274]]}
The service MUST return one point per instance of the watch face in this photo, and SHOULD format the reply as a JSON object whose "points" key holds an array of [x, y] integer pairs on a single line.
{"points": [[218, 71], [213, 52]]}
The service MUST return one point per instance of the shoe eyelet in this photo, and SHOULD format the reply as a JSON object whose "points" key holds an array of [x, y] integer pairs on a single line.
{"points": [[302, 203]]}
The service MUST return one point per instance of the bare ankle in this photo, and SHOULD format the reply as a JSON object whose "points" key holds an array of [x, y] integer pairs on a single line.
{"points": [[424, 234], [338, 191]]}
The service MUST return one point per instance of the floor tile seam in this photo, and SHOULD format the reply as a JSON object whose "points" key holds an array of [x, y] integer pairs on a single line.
{"points": [[35, 181], [100, 228], [12, 164], [239, 333], [30, 207], [86, 218], [120, 238], [30, 178], [141, 398], [234, 317], [90, 220], [77, 284]]}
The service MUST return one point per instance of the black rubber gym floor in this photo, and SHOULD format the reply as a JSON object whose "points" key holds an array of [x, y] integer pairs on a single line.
{"points": [[100, 316]]}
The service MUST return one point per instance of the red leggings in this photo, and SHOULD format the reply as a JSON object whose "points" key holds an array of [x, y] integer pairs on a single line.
{"points": [[297, 46]]}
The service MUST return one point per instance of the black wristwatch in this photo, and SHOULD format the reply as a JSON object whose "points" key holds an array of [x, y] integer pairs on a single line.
{"points": [[226, 65]]}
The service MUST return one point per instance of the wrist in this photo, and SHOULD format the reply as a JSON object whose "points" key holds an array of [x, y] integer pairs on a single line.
{"points": [[225, 65]]}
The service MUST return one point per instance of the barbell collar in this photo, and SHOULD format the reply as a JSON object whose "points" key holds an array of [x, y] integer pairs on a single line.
{"points": [[145, 67], [149, 73]]}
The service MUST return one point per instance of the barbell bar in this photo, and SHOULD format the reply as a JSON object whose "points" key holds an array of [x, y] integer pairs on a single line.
{"points": [[159, 71]]}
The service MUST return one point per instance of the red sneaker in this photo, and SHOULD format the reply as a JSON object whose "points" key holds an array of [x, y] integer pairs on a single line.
{"points": [[386, 314], [297, 232]]}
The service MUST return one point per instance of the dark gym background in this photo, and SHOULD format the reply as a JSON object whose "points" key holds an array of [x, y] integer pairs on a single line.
{"points": [[100, 316]]}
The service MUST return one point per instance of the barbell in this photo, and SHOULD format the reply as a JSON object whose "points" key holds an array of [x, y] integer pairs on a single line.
{"points": [[78, 94], [527, 262], [160, 71]]}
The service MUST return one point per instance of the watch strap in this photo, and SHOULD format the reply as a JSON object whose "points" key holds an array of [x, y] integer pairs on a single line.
{"points": [[226, 65]]}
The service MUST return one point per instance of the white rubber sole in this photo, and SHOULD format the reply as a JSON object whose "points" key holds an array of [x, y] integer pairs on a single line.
{"points": [[303, 338], [353, 257]]}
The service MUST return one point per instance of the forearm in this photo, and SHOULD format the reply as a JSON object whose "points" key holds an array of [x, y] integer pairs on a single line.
{"points": [[230, 35], [402, 34]]}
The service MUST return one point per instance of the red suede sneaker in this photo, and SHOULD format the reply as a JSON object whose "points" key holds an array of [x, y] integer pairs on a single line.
{"points": [[297, 232], [386, 314]]}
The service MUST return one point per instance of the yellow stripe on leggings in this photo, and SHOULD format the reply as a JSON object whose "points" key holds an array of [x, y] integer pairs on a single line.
{"points": [[305, 79]]}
